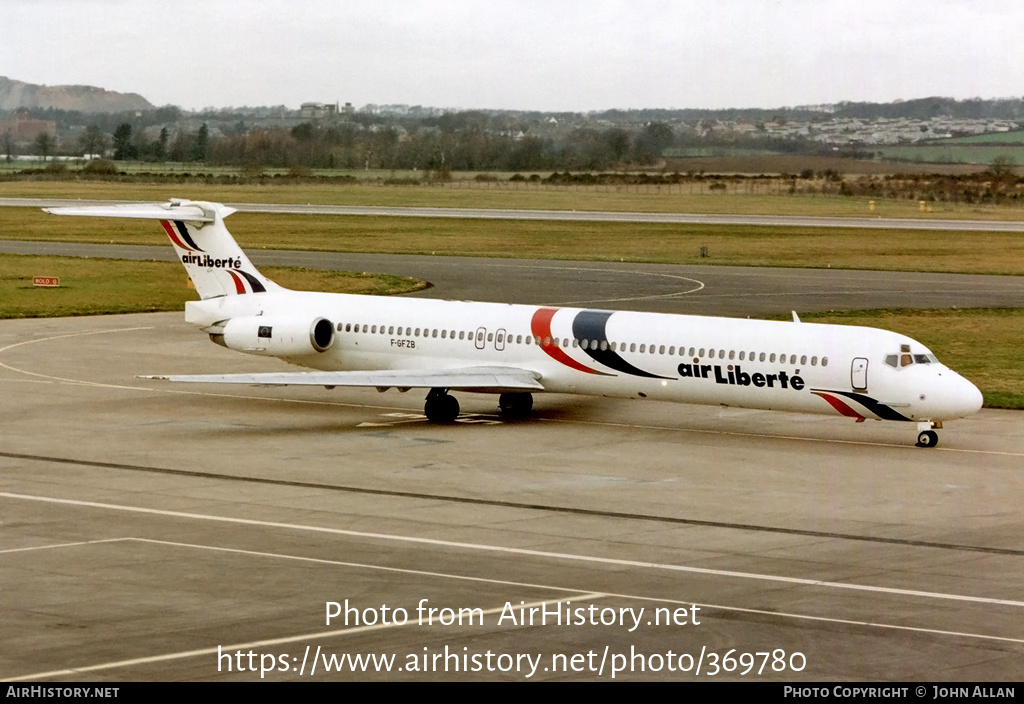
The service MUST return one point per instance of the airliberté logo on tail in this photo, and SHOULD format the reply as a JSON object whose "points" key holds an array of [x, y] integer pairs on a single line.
{"points": [[209, 262]]}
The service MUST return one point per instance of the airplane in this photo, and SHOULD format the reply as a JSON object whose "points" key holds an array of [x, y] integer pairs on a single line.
{"points": [[515, 351]]}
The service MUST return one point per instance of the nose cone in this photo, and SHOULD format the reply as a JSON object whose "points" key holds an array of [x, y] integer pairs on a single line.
{"points": [[962, 398]]}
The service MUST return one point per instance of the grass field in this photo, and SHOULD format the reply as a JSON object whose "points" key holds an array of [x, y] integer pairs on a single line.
{"points": [[108, 286], [954, 153], [1014, 137]]}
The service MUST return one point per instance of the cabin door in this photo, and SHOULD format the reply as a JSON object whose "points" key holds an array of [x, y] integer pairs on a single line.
{"points": [[859, 374]]}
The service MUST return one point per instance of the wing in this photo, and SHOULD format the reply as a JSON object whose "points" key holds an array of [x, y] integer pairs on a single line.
{"points": [[486, 379]]}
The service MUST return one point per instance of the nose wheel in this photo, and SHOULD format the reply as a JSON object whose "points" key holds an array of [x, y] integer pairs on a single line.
{"points": [[927, 438]]}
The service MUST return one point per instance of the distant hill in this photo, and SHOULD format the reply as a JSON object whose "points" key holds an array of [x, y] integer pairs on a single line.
{"points": [[17, 94]]}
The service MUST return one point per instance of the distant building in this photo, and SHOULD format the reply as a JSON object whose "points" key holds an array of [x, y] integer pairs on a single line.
{"points": [[318, 111], [24, 128]]}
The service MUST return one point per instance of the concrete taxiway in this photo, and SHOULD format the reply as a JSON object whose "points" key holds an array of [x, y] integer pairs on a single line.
{"points": [[155, 532]]}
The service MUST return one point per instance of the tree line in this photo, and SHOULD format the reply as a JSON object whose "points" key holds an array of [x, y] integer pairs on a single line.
{"points": [[454, 147]]}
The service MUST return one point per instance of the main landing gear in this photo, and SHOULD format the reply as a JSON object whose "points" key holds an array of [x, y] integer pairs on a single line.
{"points": [[515, 405], [928, 437], [442, 407]]}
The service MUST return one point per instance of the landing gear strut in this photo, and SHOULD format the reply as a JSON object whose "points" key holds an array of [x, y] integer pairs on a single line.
{"points": [[441, 407], [515, 405]]}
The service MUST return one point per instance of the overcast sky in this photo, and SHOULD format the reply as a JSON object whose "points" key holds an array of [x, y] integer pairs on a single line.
{"points": [[520, 54]]}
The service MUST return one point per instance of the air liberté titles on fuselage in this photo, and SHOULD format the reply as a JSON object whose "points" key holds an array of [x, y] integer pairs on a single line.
{"points": [[735, 376]]}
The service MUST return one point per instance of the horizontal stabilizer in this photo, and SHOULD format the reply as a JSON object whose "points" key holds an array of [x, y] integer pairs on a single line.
{"points": [[174, 210], [496, 379]]}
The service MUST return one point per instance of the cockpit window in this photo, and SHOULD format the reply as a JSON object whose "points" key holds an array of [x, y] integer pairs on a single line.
{"points": [[905, 358]]}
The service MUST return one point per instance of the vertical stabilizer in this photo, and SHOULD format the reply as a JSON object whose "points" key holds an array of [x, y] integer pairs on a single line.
{"points": [[210, 255]]}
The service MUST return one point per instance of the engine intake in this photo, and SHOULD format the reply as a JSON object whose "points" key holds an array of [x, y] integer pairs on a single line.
{"points": [[276, 336]]}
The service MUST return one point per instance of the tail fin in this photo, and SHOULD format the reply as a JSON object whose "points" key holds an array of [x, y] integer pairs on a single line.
{"points": [[214, 262]]}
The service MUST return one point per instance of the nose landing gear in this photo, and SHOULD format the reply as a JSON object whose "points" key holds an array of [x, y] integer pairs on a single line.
{"points": [[928, 437]]}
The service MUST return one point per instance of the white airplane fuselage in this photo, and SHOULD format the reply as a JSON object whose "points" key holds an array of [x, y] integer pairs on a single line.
{"points": [[771, 365]]}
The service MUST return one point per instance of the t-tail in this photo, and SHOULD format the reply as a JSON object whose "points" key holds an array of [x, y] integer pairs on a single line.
{"points": [[210, 255]]}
